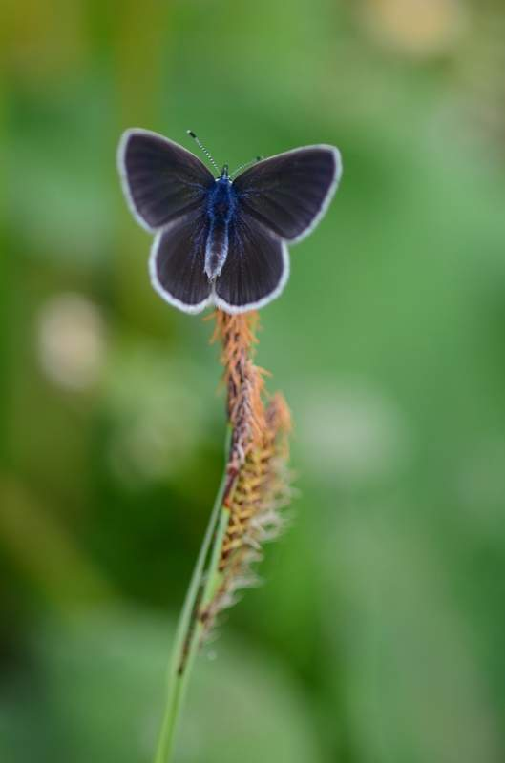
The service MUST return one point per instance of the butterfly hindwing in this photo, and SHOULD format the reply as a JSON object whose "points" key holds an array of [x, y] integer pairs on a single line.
{"points": [[177, 263], [256, 267], [161, 180], [289, 192]]}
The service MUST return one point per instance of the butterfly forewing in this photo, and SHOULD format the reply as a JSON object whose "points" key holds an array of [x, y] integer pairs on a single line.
{"points": [[161, 180], [255, 269], [289, 193], [177, 263]]}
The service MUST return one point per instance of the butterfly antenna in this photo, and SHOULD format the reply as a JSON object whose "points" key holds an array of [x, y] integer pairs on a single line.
{"points": [[246, 164], [205, 151]]}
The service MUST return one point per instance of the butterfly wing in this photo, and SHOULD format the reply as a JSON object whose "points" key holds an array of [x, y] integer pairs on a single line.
{"points": [[280, 198], [289, 193], [177, 263], [160, 179], [256, 267]]}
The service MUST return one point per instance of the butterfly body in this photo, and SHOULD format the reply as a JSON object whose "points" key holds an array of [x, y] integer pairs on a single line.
{"points": [[221, 209], [217, 240]]}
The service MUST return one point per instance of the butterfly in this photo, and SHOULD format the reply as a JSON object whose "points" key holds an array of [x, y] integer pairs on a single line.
{"points": [[223, 240]]}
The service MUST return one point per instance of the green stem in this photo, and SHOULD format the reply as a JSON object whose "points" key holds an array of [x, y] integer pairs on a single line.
{"points": [[204, 582]]}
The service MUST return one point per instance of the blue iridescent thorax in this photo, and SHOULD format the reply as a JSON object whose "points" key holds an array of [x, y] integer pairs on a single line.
{"points": [[221, 208]]}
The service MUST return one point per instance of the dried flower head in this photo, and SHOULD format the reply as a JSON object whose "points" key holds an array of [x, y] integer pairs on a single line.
{"points": [[258, 484]]}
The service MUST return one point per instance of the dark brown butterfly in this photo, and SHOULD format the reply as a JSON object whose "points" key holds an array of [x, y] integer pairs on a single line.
{"points": [[223, 240]]}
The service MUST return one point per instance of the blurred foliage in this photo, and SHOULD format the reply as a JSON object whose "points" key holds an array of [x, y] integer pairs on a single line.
{"points": [[379, 634]]}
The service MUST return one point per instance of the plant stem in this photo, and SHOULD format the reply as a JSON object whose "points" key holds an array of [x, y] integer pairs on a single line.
{"points": [[204, 582]]}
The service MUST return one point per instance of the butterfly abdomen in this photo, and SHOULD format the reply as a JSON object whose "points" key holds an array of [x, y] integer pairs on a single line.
{"points": [[221, 207]]}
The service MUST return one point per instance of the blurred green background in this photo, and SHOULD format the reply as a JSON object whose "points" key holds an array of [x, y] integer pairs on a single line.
{"points": [[379, 634]]}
